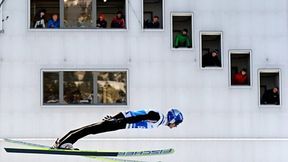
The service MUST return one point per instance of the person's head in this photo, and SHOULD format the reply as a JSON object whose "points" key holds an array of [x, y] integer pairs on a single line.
{"points": [[214, 53], [155, 19], [243, 71], [101, 17], [184, 31], [55, 17], [42, 12], [119, 14], [275, 90], [174, 118]]}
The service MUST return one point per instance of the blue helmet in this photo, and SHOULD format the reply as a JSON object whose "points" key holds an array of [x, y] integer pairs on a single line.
{"points": [[174, 116]]}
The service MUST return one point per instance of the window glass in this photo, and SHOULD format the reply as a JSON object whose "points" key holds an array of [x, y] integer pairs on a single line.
{"points": [[78, 13], [85, 87], [78, 87], [50, 87], [112, 88]]}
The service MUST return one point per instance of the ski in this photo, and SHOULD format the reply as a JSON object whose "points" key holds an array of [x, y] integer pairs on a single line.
{"points": [[33, 145], [89, 153], [42, 149]]}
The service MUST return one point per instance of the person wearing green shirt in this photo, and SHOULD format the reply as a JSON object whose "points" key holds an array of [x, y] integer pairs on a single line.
{"points": [[182, 40]]}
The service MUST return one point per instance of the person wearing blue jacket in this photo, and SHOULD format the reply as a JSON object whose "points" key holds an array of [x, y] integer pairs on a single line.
{"points": [[141, 119], [54, 22]]}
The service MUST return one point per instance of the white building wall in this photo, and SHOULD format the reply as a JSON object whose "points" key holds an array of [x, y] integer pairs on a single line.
{"points": [[159, 78]]}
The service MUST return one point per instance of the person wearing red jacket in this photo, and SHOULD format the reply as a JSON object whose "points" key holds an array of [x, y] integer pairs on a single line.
{"points": [[240, 78], [118, 21]]}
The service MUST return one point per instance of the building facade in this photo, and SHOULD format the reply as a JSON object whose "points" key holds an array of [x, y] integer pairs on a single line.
{"points": [[69, 73]]}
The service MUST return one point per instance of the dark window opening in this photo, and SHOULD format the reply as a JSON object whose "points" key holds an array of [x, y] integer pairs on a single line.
{"points": [[42, 12], [111, 14], [240, 69], [269, 88], [153, 14], [211, 51], [182, 31]]}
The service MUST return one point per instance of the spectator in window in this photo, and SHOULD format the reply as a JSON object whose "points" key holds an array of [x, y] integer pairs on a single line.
{"points": [[211, 59], [54, 22], [271, 96], [39, 20], [154, 24], [101, 22], [118, 21], [182, 40], [240, 78]]}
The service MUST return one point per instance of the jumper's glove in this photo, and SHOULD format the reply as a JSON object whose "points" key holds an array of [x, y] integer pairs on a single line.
{"points": [[108, 117]]}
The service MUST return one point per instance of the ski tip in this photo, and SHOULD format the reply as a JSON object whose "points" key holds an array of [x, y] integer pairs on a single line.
{"points": [[6, 149]]}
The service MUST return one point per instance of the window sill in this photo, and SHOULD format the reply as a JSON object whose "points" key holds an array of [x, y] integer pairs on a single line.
{"points": [[240, 87], [83, 106], [77, 30], [182, 49], [211, 68], [270, 106], [152, 30]]}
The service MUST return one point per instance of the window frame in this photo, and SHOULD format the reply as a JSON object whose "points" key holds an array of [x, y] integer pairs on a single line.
{"points": [[269, 70], [87, 70], [221, 50], [1, 17], [163, 19], [240, 51], [173, 13], [61, 16]]}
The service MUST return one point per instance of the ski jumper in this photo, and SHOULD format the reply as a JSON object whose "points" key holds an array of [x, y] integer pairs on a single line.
{"points": [[144, 119]]}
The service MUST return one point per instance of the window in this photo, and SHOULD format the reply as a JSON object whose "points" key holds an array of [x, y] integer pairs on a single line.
{"points": [[269, 87], [84, 87], [78, 14], [43, 10], [240, 73], [51, 87], [211, 50], [153, 12], [110, 9], [182, 31]]}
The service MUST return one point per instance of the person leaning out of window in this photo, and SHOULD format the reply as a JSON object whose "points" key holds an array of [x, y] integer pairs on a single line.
{"points": [[118, 21], [39, 19], [211, 59], [182, 40], [240, 78], [271, 97], [154, 24], [54, 22], [101, 22]]}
